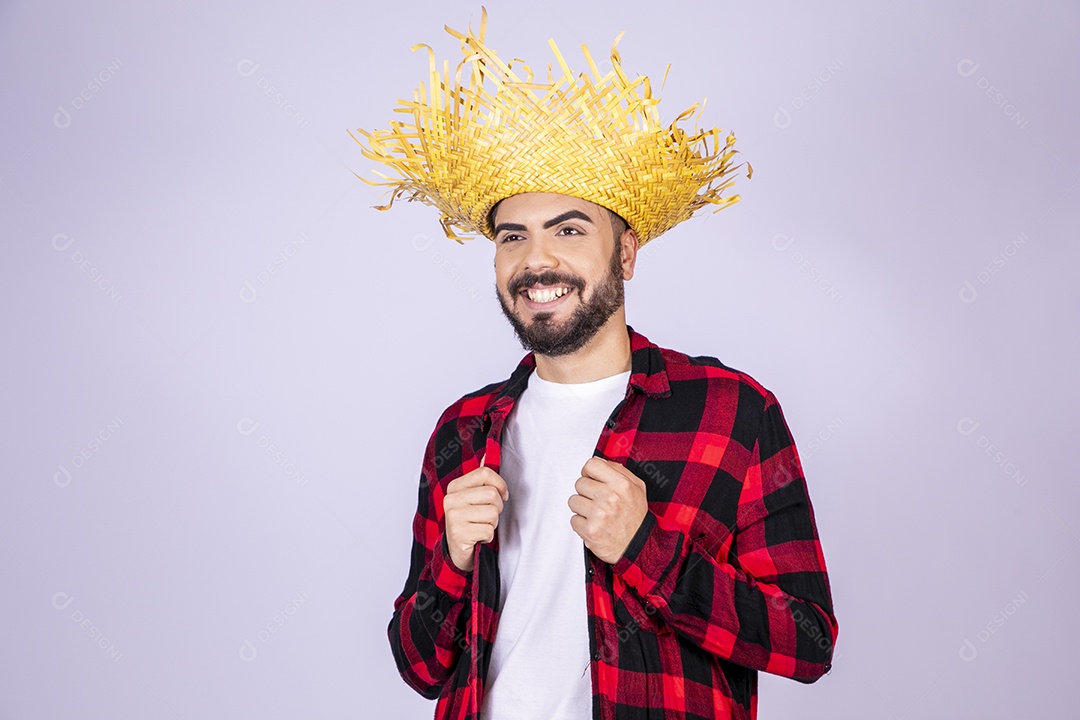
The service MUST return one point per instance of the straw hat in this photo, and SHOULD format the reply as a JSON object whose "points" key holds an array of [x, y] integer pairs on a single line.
{"points": [[467, 145]]}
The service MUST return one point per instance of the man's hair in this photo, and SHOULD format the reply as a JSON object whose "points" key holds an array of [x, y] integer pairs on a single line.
{"points": [[618, 224]]}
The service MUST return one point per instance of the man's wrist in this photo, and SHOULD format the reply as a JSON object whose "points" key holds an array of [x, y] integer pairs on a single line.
{"points": [[651, 554], [447, 576], [633, 548]]}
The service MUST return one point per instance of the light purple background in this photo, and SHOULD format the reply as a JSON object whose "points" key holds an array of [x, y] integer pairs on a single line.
{"points": [[220, 365]]}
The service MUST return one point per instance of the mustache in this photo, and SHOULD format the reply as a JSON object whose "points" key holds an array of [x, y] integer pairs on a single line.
{"points": [[546, 278]]}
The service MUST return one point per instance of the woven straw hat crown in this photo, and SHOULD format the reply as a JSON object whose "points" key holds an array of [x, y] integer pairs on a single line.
{"points": [[486, 132]]}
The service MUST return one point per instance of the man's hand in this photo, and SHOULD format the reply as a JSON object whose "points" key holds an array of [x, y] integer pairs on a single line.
{"points": [[608, 508], [472, 506]]}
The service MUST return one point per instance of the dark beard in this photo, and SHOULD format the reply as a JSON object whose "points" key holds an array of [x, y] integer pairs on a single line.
{"points": [[545, 337]]}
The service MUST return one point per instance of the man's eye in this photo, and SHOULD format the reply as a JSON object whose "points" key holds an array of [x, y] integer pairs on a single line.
{"points": [[509, 237], [573, 230]]}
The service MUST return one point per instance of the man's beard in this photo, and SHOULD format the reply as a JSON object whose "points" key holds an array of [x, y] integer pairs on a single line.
{"points": [[545, 336]]}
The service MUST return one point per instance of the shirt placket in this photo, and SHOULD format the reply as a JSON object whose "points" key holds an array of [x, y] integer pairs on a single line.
{"points": [[495, 419], [596, 572]]}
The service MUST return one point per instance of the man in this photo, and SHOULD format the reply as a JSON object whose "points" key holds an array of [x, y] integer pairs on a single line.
{"points": [[617, 530]]}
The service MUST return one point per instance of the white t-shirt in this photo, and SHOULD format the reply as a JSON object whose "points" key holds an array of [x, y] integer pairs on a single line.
{"points": [[540, 660]]}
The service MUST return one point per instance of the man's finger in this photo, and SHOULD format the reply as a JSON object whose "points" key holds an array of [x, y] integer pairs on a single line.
{"points": [[578, 505], [588, 487], [600, 469], [479, 478], [495, 480], [503, 490]]}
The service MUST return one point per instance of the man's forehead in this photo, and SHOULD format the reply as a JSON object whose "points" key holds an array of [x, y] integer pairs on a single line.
{"points": [[542, 204]]}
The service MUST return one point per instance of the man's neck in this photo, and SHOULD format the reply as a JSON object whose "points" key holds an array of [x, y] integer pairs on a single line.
{"points": [[607, 353]]}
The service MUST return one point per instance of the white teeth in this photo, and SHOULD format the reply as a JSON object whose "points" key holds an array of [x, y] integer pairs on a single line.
{"points": [[547, 295]]}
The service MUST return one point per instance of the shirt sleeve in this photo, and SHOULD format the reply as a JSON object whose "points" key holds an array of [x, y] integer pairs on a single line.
{"points": [[429, 628], [764, 602]]}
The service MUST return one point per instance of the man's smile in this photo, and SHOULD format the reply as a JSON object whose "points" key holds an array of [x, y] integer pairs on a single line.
{"points": [[546, 294], [545, 297]]}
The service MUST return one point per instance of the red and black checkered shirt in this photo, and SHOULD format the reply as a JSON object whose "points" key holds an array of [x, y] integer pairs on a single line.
{"points": [[724, 578]]}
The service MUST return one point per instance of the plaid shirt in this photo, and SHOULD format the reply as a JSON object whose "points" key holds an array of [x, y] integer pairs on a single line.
{"points": [[724, 578]]}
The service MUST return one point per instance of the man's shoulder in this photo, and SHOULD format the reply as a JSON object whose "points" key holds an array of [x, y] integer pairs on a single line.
{"points": [[732, 400], [685, 368], [470, 407]]}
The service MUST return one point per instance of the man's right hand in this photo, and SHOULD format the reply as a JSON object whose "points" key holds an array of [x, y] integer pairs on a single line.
{"points": [[471, 507]]}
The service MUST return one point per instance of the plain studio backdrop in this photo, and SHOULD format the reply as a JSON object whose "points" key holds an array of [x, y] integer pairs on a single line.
{"points": [[220, 365]]}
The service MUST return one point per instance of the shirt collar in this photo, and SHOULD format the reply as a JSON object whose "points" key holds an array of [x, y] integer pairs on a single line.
{"points": [[647, 373]]}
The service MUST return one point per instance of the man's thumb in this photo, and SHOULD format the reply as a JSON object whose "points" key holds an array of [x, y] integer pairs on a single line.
{"points": [[482, 456]]}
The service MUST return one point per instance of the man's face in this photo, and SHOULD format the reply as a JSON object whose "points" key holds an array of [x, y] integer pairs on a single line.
{"points": [[559, 269]]}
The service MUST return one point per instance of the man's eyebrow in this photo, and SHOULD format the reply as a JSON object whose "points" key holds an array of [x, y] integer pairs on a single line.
{"points": [[569, 214], [509, 226]]}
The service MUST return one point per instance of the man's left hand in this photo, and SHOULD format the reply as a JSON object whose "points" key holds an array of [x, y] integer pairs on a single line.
{"points": [[608, 508]]}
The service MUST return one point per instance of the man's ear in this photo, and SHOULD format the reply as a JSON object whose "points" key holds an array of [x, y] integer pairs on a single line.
{"points": [[629, 242]]}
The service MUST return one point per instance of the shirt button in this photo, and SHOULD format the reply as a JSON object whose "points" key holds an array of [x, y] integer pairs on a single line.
{"points": [[590, 571], [596, 656], [610, 423]]}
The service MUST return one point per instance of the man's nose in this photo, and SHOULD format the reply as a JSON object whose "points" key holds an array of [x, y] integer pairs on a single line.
{"points": [[540, 253]]}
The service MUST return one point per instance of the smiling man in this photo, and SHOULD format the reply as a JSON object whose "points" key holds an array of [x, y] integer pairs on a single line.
{"points": [[617, 531], [546, 245]]}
